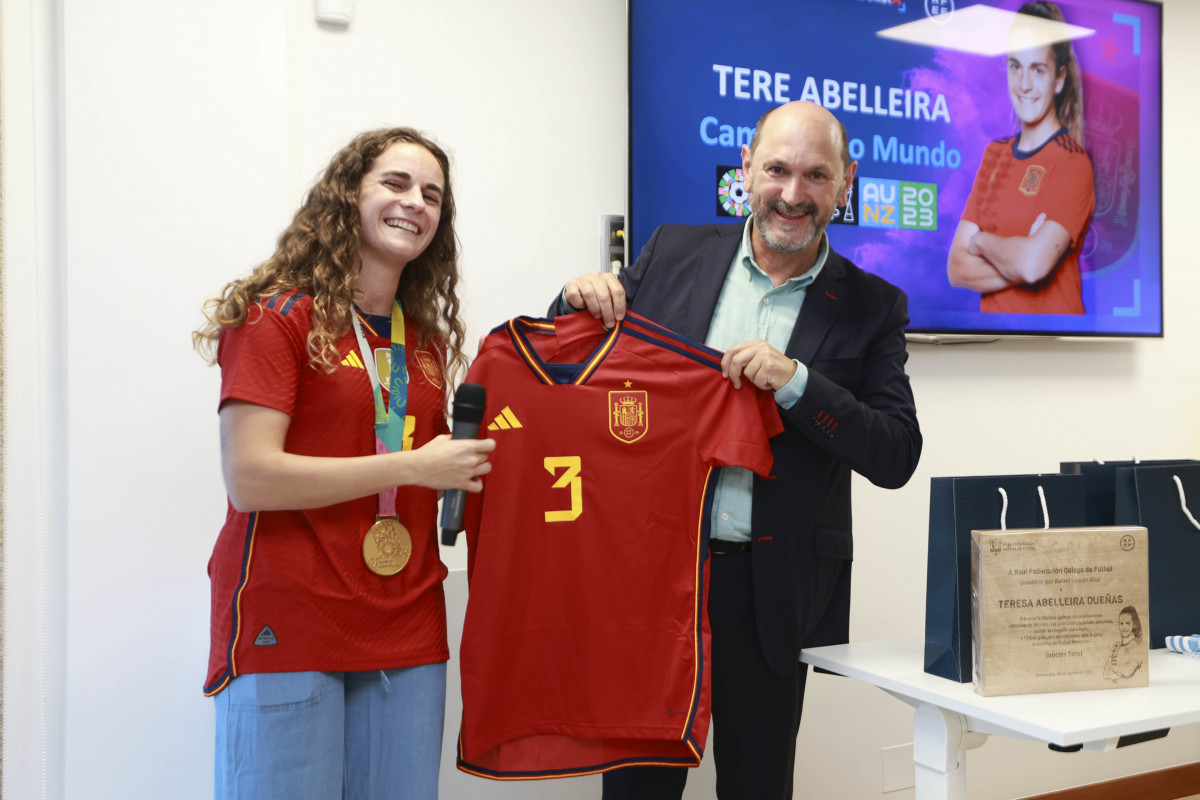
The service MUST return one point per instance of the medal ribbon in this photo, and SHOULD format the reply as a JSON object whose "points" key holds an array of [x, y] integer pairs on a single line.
{"points": [[391, 419]]}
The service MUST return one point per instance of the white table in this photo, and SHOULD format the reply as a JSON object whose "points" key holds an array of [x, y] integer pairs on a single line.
{"points": [[951, 719]]}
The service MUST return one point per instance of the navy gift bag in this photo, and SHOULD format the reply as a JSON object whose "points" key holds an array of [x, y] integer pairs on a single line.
{"points": [[958, 506], [1166, 500], [1100, 485]]}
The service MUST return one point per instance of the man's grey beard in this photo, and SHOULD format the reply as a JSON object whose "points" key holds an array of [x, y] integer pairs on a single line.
{"points": [[762, 221]]}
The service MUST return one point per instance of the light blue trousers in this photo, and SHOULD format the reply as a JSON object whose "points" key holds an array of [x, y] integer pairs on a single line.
{"points": [[331, 735]]}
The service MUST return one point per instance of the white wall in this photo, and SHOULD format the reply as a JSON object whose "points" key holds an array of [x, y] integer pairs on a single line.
{"points": [[34, 579], [177, 140]]}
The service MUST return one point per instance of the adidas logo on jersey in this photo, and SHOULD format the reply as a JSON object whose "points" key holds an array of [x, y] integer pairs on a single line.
{"points": [[352, 360], [266, 637], [505, 420]]}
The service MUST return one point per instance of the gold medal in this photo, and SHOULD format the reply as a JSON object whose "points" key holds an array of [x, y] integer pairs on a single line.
{"points": [[387, 546]]}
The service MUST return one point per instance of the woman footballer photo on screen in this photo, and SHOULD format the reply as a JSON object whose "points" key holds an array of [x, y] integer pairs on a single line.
{"points": [[1021, 232]]}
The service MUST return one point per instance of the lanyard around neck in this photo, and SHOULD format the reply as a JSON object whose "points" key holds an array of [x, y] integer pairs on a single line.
{"points": [[391, 420]]}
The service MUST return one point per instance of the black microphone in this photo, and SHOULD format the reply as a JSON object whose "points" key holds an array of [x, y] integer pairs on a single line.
{"points": [[469, 402]]}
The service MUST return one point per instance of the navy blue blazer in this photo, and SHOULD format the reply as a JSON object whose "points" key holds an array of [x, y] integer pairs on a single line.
{"points": [[857, 413]]}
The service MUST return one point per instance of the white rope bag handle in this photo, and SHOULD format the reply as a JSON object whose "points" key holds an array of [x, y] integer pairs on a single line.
{"points": [[1183, 503], [1045, 510]]}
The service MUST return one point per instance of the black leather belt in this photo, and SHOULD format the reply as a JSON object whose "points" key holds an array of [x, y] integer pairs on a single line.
{"points": [[724, 547]]}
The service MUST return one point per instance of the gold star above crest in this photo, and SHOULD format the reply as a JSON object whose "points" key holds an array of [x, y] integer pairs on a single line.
{"points": [[628, 384]]}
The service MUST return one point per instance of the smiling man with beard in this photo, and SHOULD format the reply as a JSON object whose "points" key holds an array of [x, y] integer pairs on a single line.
{"points": [[796, 183], [827, 339]]}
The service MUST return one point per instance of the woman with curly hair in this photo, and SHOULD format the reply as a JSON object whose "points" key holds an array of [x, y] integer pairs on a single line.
{"points": [[1021, 233], [328, 629]]}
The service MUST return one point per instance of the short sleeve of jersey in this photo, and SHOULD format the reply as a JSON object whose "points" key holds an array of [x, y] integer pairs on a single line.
{"points": [[979, 188], [734, 423], [1069, 196], [262, 358]]}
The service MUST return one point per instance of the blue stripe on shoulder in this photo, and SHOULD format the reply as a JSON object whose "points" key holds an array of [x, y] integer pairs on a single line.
{"points": [[1066, 141], [669, 340], [666, 333], [284, 301]]}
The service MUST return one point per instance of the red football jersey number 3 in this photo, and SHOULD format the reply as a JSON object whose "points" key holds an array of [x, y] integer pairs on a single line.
{"points": [[571, 467]]}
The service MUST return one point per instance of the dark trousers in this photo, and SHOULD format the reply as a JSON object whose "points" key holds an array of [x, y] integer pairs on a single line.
{"points": [[756, 713]]}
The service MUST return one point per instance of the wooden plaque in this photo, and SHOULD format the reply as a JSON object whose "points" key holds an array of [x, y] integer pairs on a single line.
{"points": [[1059, 609]]}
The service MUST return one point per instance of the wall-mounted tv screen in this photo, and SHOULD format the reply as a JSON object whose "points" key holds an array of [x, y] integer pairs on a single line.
{"points": [[1009, 154]]}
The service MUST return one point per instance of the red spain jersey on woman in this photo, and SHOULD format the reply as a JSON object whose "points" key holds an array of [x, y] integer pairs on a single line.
{"points": [[585, 645], [290, 589], [1012, 188]]}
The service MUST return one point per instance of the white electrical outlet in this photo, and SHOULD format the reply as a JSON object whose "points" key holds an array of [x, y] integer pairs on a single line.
{"points": [[898, 769], [335, 12], [612, 242]]}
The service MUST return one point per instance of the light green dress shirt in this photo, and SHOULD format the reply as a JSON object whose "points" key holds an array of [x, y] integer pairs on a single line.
{"points": [[751, 308]]}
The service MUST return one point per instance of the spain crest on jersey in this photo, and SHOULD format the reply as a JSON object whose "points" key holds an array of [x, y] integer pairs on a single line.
{"points": [[429, 366], [1032, 182], [628, 414]]}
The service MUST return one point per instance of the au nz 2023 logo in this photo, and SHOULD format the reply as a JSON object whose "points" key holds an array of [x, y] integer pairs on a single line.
{"points": [[889, 203]]}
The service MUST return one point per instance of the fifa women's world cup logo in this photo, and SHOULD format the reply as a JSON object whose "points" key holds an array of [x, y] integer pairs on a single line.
{"points": [[732, 197], [628, 415]]}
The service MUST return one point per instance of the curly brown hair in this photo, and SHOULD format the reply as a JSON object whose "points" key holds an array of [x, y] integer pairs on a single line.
{"points": [[319, 254]]}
